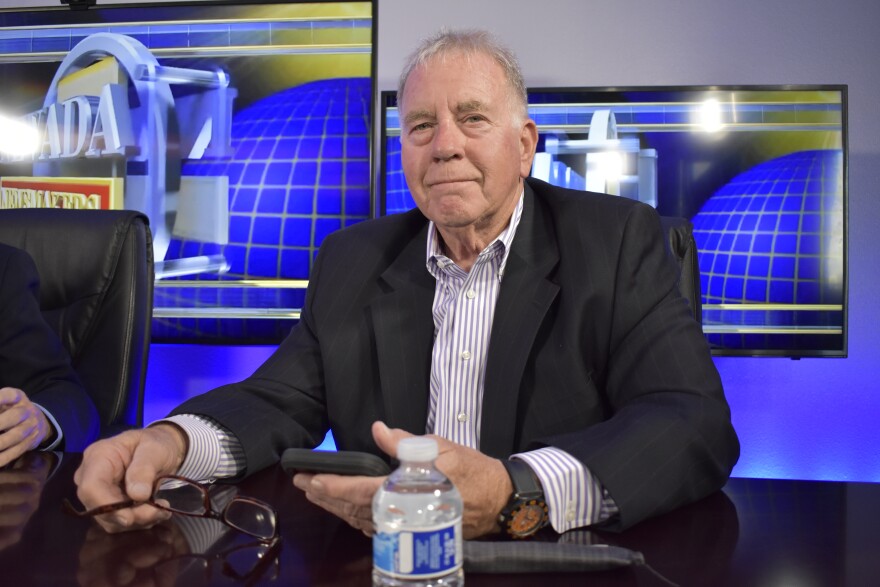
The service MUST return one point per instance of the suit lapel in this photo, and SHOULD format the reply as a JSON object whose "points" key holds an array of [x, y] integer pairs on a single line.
{"points": [[404, 333], [526, 294]]}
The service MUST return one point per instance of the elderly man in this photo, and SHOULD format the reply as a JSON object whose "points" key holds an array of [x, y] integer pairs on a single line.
{"points": [[538, 332]]}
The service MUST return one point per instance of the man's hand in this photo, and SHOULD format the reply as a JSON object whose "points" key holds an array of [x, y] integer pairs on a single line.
{"points": [[126, 467], [482, 481], [23, 426], [349, 497]]}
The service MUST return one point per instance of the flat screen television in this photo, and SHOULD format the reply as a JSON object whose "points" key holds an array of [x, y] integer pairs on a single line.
{"points": [[241, 128], [761, 171]]}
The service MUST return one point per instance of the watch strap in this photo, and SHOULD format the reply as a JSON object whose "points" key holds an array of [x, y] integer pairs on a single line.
{"points": [[525, 482]]}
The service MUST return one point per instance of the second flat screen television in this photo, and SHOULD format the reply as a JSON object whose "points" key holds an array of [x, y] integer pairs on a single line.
{"points": [[760, 172]]}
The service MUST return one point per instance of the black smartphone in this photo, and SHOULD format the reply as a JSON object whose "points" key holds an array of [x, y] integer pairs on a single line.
{"points": [[342, 462]]}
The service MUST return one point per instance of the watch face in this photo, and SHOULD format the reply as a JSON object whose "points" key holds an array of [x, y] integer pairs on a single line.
{"points": [[527, 519]]}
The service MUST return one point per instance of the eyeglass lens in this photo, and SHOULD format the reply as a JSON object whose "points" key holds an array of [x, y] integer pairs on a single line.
{"points": [[249, 517], [181, 496], [242, 514]]}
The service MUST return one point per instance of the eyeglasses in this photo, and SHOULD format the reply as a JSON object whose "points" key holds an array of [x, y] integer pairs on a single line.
{"points": [[179, 495]]}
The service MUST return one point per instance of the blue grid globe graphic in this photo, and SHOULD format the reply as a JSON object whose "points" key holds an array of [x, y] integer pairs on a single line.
{"points": [[300, 170], [397, 195], [774, 234]]}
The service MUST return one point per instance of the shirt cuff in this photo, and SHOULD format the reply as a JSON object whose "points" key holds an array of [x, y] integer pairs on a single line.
{"points": [[214, 453], [574, 497], [59, 435]]}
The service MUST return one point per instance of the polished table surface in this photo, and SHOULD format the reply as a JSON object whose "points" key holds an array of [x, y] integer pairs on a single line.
{"points": [[754, 532]]}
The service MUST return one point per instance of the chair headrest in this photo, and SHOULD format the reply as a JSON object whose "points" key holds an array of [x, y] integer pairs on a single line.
{"points": [[82, 245]]}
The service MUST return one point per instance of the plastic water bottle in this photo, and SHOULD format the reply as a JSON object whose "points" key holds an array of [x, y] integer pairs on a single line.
{"points": [[417, 514]]}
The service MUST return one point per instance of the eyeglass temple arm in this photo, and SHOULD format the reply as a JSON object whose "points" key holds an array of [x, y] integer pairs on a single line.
{"points": [[100, 510], [130, 503]]}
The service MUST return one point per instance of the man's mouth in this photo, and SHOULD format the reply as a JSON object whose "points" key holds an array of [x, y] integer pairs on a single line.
{"points": [[447, 181]]}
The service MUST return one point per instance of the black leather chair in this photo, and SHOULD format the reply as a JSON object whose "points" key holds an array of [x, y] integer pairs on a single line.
{"points": [[96, 292], [681, 243]]}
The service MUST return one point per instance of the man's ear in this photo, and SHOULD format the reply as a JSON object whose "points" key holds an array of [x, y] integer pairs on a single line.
{"points": [[528, 142]]}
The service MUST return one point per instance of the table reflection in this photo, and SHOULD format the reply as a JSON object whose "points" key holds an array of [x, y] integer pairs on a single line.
{"points": [[21, 486], [183, 550]]}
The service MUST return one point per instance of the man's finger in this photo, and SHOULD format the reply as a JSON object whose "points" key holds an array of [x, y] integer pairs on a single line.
{"points": [[11, 419], [387, 438], [10, 454], [355, 489], [99, 477], [159, 452], [9, 396], [349, 497], [141, 475]]}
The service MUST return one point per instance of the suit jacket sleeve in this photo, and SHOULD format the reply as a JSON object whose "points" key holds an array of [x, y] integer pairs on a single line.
{"points": [[282, 404], [669, 439], [32, 357]]}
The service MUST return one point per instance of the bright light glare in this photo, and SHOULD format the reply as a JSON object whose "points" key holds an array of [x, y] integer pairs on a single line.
{"points": [[17, 138], [710, 116], [611, 166]]}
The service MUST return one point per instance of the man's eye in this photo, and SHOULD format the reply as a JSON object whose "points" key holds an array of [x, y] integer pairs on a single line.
{"points": [[420, 127], [474, 118]]}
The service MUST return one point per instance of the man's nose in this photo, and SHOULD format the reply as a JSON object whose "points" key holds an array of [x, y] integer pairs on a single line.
{"points": [[448, 141]]}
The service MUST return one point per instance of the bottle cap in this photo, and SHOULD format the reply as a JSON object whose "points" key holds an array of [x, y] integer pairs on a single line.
{"points": [[417, 448]]}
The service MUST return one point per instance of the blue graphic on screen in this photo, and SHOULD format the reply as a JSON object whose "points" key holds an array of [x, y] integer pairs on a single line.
{"points": [[300, 170], [397, 195], [773, 234]]}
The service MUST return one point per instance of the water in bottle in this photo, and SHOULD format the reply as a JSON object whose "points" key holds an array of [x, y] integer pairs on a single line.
{"points": [[417, 514]]}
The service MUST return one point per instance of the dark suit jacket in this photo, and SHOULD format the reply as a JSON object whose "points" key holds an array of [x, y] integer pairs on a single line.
{"points": [[593, 350], [32, 357]]}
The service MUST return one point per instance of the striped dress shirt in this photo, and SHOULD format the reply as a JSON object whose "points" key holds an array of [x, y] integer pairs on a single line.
{"points": [[463, 310]]}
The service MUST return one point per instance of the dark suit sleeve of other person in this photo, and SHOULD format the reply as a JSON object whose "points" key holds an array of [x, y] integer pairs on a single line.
{"points": [[32, 357]]}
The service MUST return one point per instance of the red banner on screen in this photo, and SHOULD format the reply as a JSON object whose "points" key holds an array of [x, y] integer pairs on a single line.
{"points": [[76, 193]]}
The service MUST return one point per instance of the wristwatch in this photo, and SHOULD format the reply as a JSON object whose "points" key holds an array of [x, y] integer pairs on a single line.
{"points": [[526, 511]]}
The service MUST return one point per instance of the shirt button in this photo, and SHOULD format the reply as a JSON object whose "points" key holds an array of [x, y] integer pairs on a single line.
{"points": [[465, 355], [570, 516], [471, 294], [462, 417]]}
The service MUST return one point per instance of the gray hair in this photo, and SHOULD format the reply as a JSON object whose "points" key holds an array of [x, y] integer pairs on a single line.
{"points": [[469, 42]]}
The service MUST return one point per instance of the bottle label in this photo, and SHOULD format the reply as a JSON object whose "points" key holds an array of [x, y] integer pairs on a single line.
{"points": [[422, 554]]}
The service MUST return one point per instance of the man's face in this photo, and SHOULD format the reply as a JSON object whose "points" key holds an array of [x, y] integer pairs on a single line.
{"points": [[463, 148]]}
